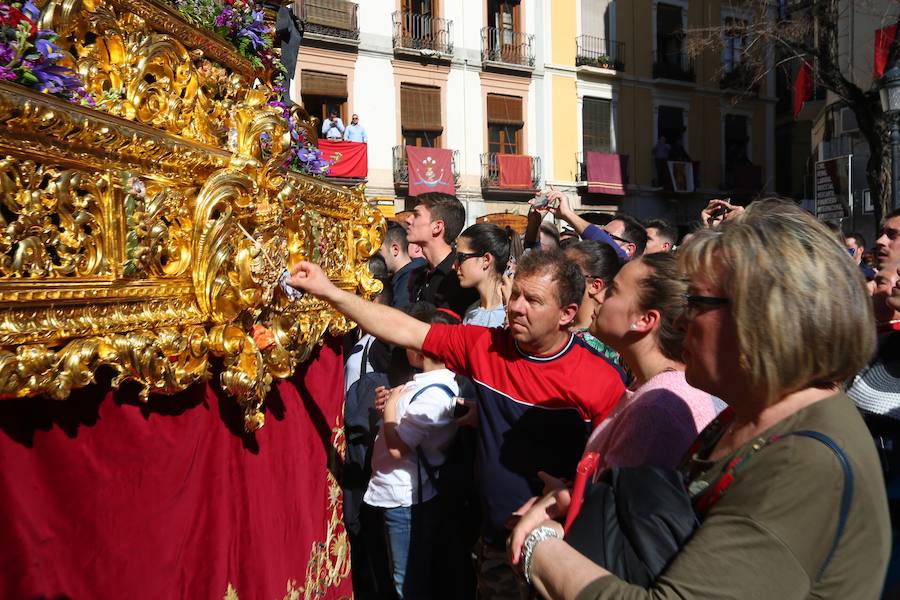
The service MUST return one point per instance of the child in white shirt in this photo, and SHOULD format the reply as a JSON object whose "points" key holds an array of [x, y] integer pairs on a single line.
{"points": [[418, 416]]}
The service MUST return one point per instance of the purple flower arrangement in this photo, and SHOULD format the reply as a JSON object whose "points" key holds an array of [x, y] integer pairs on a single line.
{"points": [[29, 55], [305, 158], [242, 22]]}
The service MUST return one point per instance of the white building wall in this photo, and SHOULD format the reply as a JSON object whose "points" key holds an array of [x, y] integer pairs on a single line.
{"points": [[376, 103]]}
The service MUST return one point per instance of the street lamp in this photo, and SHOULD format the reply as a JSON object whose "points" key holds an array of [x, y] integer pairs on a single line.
{"points": [[890, 104]]}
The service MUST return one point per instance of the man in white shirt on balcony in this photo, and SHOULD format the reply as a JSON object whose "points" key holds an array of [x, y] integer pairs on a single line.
{"points": [[355, 132], [333, 128]]}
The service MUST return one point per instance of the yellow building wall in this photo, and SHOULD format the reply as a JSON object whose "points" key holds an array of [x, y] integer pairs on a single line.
{"points": [[634, 27], [705, 138], [634, 132], [563, 30], [565, 127]]}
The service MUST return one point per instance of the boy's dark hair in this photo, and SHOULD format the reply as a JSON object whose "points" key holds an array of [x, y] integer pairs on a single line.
{"points": [[446, 208], [569, 282], [634, 232], [377, 267], [666, 230], [395, 234], [429, 313]]}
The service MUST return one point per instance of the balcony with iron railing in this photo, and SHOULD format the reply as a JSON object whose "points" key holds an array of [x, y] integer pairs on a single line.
{"points": [[422, 34], [491, 177], [507, 48], [335, 20], [401, 167], [739, 77], [673, 65], [592, 51]]}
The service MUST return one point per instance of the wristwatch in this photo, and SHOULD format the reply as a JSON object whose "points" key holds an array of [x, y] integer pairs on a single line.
{"points": [[536, 536]]}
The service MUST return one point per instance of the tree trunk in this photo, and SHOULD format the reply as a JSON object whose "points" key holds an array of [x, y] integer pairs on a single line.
{"points": [[878, 168]]}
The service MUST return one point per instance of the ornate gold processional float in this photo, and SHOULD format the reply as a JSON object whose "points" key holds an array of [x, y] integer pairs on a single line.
{"points": [[146, 211]]}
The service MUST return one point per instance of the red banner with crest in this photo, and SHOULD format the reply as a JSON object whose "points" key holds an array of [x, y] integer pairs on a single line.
{"points": [[430, 170]]}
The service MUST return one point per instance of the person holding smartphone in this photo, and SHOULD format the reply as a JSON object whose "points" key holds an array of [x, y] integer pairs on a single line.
{"points": [[333, 127]]}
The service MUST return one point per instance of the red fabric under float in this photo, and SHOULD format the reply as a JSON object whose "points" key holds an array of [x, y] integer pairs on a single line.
{"points": [[102, 496]]}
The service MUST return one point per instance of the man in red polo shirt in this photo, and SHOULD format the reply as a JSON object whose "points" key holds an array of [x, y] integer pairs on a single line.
{"points": [[540, 389]]}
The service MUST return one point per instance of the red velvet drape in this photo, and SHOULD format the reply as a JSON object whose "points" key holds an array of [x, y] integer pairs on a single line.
{"points": [[104, 497]]}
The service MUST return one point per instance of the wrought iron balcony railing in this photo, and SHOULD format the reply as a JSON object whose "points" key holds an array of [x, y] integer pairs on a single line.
{"points": [[490, 173], [673, 65], [739, 77], [413, 31], [401, 166], [507, 47], [331, 18], [593, 51]]}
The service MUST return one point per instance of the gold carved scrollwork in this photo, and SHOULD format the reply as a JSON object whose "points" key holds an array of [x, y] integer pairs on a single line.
{"points": [[158, 238], [147, 76], [134, 237], [51, 220]]}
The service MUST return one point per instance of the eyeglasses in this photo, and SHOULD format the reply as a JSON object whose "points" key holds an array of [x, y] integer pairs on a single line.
{"points": [[618, 239], [462, 257], [694, 305]]}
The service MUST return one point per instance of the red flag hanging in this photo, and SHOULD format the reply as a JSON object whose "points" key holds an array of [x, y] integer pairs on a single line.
{"points": [[803, 87], [884, 37], [354, 160], [430, 170]]}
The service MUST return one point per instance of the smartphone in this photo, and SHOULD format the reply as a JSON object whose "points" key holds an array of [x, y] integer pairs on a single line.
{"points": [[541, 201]]}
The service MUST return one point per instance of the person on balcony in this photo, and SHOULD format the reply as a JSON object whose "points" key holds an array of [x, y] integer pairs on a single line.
{"points": [[333, 128], [355, 132]]}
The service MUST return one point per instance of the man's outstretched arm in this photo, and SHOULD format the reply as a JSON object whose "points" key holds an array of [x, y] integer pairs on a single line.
{"points": [[385, 323]]}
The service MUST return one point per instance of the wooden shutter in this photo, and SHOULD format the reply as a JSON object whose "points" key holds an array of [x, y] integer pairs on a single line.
{"points": [[420, 108], [504, 110], [596, 117], [337, 14], [315, 83]]}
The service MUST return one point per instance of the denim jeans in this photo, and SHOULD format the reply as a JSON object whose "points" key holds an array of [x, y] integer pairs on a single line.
{"points": [[411, 535]]}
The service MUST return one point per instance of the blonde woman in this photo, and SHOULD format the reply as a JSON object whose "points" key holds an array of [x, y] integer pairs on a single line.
{"points": [[776, 317]]}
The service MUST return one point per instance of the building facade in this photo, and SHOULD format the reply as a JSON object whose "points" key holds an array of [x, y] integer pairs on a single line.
{"points": [[829, 123], [569, 84]]}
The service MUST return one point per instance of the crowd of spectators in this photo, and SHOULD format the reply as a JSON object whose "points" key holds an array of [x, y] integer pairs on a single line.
{"points": [[519, 377]]}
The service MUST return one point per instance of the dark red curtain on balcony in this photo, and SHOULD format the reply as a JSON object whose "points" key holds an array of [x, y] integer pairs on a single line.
{"points": [[102, 496], [354, 159], [515, 171], [606, 173]]}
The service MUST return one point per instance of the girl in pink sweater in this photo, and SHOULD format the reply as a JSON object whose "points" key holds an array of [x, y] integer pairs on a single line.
{"points": [[658, 419]]}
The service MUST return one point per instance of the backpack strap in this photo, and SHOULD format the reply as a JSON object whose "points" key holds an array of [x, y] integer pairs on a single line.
{"points": [[422, 462], [846, 496], [364, 364]]}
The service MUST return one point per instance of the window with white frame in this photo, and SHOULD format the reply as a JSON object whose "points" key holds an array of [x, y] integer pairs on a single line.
{"points": [[734, 43], [596, 122]]}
